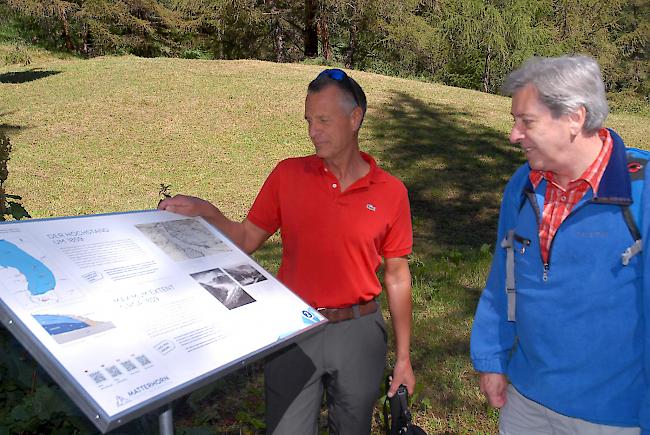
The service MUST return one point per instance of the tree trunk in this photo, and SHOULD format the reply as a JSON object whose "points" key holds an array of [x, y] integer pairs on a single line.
{"points": [[86, 44], [276, 31], [353, 42], [560, 7], [486, 70], [324, 33], [66, 30], [311, 29]]}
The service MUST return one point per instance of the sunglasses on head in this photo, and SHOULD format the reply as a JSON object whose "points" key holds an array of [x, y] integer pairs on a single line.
{"points": [[340, 76], [334, 74]]}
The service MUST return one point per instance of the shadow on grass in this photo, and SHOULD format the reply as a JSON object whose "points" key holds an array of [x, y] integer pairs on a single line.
{"points": [[233, 404], [269, 255], [454, 166], [26, 76], [8, 129]]}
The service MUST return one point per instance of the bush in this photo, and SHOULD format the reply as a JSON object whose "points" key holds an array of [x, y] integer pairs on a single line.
{"points": [[9, 204], [19, 55], [31, 402], [629, 102]]}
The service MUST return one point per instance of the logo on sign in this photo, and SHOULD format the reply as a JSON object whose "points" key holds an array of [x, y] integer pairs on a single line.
{"points": [[121, 401], [309, 317]]}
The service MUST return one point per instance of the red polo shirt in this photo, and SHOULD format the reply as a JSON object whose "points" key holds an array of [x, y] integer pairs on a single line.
{"points": [[333, 241]]}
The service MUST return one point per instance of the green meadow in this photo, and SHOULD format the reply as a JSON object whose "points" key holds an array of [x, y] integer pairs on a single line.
{"points": [[101, 135]]}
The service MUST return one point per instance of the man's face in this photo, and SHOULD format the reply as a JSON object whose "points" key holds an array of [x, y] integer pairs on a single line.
{"points": [[332, 127], [545, 139]]}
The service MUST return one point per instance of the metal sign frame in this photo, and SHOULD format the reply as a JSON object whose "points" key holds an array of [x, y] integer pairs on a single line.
{"points": [[86, 401]]}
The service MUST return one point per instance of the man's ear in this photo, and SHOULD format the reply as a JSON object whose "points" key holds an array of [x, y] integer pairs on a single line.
{"points": [[577, 120], [356, 117]]}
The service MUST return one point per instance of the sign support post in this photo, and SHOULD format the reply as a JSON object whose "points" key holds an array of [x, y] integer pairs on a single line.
{"points": [[166, 422]]}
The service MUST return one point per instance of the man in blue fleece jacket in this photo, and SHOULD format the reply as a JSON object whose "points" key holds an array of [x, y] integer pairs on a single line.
{"points": [[560, 336]]}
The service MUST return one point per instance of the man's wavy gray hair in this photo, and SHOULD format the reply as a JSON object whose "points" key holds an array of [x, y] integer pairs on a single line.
{"points": [[564, 84]]}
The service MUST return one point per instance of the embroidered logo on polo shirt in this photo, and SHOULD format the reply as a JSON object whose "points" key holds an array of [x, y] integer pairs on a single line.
{"points": [[371, 207]]}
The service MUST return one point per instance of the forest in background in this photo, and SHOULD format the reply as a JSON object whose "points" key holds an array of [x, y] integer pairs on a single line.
{"points": [[465, 43]]}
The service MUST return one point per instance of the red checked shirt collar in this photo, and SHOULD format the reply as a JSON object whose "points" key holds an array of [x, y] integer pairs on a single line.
{"points": [[558, 202]]}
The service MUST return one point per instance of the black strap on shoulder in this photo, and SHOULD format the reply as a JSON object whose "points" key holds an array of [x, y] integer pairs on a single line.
{"points": [[631, 223]]}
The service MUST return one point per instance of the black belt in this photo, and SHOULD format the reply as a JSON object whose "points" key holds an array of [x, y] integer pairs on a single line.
{"points": [[352, 312]]}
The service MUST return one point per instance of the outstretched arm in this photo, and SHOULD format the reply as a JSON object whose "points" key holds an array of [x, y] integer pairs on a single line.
{"points": [[397, 278], [248, 236]]}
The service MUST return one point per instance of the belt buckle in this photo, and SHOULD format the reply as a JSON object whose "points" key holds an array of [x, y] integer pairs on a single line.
{"points": [[325, 312]]}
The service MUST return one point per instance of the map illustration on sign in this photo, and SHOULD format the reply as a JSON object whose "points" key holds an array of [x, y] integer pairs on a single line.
{"points": [[39, 278], [33, 279]]}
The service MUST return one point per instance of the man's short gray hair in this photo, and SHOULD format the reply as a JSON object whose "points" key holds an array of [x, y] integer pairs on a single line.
{"points": [[564, 84]]}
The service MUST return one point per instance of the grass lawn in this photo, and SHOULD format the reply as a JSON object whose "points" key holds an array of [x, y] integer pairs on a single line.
{"points": [[101, 135]]}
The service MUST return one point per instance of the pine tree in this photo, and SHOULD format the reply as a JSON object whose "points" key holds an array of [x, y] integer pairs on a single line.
{"points": [[145, 27], [487, 38]]}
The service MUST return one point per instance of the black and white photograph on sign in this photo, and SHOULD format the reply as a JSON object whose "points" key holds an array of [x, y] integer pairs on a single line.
{"points": [[245, 274], [223, 288], [64, 328], [183, 239]]}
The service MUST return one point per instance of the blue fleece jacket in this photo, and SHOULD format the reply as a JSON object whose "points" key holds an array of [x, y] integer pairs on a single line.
{"points": [[580, 338]]}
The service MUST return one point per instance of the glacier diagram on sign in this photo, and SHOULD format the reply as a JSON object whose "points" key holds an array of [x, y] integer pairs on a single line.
{"points": [[64, 328]]}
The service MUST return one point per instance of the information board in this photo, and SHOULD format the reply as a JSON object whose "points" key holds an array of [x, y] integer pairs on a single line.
{"points": [[129, 311]]}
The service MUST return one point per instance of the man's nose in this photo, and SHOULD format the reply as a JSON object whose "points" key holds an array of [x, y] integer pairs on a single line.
{"points": [[313, 131], [515, 134]]}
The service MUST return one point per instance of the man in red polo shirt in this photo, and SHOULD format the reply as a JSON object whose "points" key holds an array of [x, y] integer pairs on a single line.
{"points": [[338, 214]]}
